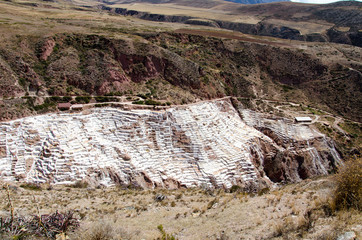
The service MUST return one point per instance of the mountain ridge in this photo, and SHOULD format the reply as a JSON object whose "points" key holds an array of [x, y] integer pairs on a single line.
{"points": [[256, 1]]}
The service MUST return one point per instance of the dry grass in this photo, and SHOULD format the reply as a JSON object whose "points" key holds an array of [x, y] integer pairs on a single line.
{"points": [[173, 9], [101, 230], [294, 211], [349, 185]]}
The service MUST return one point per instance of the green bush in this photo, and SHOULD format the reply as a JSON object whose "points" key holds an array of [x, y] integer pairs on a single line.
{"points": [[138, 102], [67, 99], [48, 103], [142, 96], [106, 99], [56, 99], [118, 93], [152, 102], [82, 99], [165, 236], [101, 105]]}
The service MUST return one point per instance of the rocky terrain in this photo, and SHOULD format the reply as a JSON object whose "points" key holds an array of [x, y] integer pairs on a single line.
{"points": [[179, 68]]}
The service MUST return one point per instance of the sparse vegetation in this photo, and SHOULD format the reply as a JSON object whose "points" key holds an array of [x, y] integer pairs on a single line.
{"points": [[294, 211], [31, 186], [349, 185], [90, 45], [138, 102], [42, 226], [82, 99], [106, 99], [80, 184], [165, 236]]}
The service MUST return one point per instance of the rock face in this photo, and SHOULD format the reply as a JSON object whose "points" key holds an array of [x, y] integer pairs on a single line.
{"points": [[204, 144], [305, 152]]}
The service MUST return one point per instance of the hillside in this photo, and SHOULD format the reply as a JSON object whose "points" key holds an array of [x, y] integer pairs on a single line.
{"points": [[203, 144], [177, 119], [337, 22], [297, 211], [85, 51]]}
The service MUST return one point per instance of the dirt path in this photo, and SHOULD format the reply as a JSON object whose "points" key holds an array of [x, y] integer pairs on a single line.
{"points": [[336, 126]]}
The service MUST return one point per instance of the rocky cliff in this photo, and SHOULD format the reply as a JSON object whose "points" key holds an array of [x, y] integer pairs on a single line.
{"points": [[203, 144]]}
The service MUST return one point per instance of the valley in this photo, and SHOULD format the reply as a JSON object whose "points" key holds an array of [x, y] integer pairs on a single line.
{"points": [[179, 119]]}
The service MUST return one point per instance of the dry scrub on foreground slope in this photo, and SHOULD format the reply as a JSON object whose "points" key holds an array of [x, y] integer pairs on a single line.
{"points": [[349, 186], [297, 211]]}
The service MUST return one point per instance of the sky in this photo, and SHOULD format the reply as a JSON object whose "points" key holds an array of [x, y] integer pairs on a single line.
{"points": [[315, 1]]}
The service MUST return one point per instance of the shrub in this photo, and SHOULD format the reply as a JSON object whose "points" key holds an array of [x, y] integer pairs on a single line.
{"points": [[13, 228], [101, 105], [349, 185], [263, 191], [118, 93], [100, 231], [142, 96], [67, 99], [138, 102], [79, 184], [106, 99], [235, 188], [56, 99], [152, 102], [165, 236], [48, 103], [53, 224], [31, 186], [212, 203], [48, 226], [82, 99]]}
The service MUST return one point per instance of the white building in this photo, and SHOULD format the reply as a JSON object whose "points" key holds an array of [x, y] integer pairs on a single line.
{"points": [[303, 119]]}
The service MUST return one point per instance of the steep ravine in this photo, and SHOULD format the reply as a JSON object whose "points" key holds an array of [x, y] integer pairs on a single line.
{"points": [[202, 144]]}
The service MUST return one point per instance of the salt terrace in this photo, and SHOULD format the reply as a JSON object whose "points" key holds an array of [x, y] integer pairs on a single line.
{"points": [[200, 144]]}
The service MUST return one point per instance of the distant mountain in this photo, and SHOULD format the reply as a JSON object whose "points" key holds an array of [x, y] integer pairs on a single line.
{"points": [[322, 1], [256, 1]]}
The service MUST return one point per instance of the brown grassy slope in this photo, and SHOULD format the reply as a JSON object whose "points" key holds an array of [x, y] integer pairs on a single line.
{"points": [[339, 22], [275, 72], [61, 50], [297, 211]]}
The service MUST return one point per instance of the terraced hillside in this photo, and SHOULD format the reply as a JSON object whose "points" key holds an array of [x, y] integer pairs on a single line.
{"points": [[201, 144]]}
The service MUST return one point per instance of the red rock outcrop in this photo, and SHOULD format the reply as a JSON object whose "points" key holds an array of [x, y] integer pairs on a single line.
{"points": [[47, 49]]}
